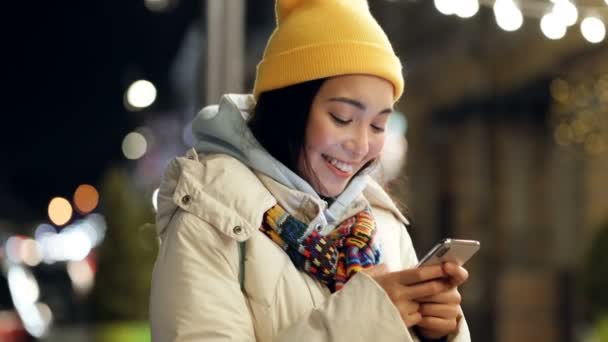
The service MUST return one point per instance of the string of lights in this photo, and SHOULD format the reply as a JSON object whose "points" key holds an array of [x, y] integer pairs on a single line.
{"points": [[556, 16]]}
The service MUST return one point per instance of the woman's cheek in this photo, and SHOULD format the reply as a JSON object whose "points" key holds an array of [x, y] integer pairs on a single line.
{"points": [[376, 147]]}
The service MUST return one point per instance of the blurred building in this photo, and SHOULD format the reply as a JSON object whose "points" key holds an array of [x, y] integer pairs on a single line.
{"points": [[508, 145]]}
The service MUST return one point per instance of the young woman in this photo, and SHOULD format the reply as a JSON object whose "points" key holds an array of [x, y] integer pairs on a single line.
{"points": [[271, 228]]}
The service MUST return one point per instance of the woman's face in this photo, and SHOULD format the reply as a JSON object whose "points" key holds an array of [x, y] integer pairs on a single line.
{"points": [[345, 130]]}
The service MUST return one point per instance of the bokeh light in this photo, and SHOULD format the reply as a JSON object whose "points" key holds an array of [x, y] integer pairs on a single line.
{"points": [[95, 227], [36, 319], [155, 199], [560, 90], [467, 8], [12, 249], [563, 135], [552, 26], [76, 245], [593, 29], [23, 286], [60, 211], [134, 145], [508, 15], [74, 242], [86, 198], [82, 276], [578, 113], [566, 12], [447, 7], [44, 229], [44, 317], [30, 252], [157, 5], [141, 94]]}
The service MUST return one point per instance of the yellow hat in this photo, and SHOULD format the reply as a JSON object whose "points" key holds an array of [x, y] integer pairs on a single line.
{"points": [[323, 38]]}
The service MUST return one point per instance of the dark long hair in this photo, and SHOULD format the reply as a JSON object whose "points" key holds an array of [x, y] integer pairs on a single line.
{"points": [[279, 120]]}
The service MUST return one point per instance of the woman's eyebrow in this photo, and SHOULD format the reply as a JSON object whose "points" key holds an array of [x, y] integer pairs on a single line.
{"points": [[359, 105]]}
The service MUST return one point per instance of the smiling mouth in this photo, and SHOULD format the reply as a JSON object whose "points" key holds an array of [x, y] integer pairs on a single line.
{"points": [[340, 165]]}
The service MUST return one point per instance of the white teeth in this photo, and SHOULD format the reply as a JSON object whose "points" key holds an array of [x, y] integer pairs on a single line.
{"points": [[339, 165]]}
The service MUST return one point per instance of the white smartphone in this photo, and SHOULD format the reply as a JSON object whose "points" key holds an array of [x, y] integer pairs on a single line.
{"points": [[452, 250]]}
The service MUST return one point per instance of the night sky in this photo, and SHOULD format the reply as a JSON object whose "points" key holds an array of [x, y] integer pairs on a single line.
{"points": [[68, 66]]}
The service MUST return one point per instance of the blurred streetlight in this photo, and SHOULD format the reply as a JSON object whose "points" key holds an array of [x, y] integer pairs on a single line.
{"points": [[141, 94], [552, 27], [60, 211], [565, 11], [86, 198], [467, 8], [593, 29], [447, 7], [134, 145], [508, 15]]}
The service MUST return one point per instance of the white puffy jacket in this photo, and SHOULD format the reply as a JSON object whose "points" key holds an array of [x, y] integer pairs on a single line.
{"points": [[208, 205]]}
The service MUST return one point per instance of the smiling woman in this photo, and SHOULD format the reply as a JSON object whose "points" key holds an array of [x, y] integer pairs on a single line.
{"points": [[271, 227], [345, 131]]}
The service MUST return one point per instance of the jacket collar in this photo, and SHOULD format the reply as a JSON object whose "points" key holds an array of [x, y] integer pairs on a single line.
{"points": [[235, 202]]}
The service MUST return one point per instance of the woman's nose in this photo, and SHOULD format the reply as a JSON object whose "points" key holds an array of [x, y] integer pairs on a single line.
{"points": [[357, 144]]}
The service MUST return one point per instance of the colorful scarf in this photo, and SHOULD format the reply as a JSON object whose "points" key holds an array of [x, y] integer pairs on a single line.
{"points": [[332, 259]]}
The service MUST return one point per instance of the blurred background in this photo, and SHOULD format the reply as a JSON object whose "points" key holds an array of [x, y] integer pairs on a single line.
{"points": [[502, 136]]}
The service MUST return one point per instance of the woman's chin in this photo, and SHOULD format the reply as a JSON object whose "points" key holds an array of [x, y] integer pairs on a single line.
{"points": [[332, 191]]}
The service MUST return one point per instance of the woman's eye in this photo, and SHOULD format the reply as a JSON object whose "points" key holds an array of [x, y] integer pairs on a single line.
{"points": [[377, 129], [338, 120]]}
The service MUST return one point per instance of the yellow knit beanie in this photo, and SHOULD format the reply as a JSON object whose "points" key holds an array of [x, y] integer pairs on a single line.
{"points": [[323, 38]]}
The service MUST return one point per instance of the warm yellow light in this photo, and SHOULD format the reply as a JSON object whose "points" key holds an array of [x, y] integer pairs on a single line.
{"points": [[86, 198], [594, 145], [563, 135], [560, 90], [60, 211]]}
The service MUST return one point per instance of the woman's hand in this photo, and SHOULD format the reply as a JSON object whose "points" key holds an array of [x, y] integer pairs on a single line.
{"points": [[406, 288], [441, 312]]}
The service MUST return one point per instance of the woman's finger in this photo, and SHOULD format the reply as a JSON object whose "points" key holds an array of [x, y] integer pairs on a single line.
{"points": [[426, 289], [407, 307], [451, 296], [441, 325], [411, 319], [418, 275], [445, 311], [457, 274]]}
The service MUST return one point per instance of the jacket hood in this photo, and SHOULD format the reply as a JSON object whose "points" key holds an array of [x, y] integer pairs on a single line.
{"points": [[211, 188], [223, 129]]}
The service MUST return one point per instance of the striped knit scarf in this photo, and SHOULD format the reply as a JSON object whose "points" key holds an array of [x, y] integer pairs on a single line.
{"points": [[332, 259]]}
